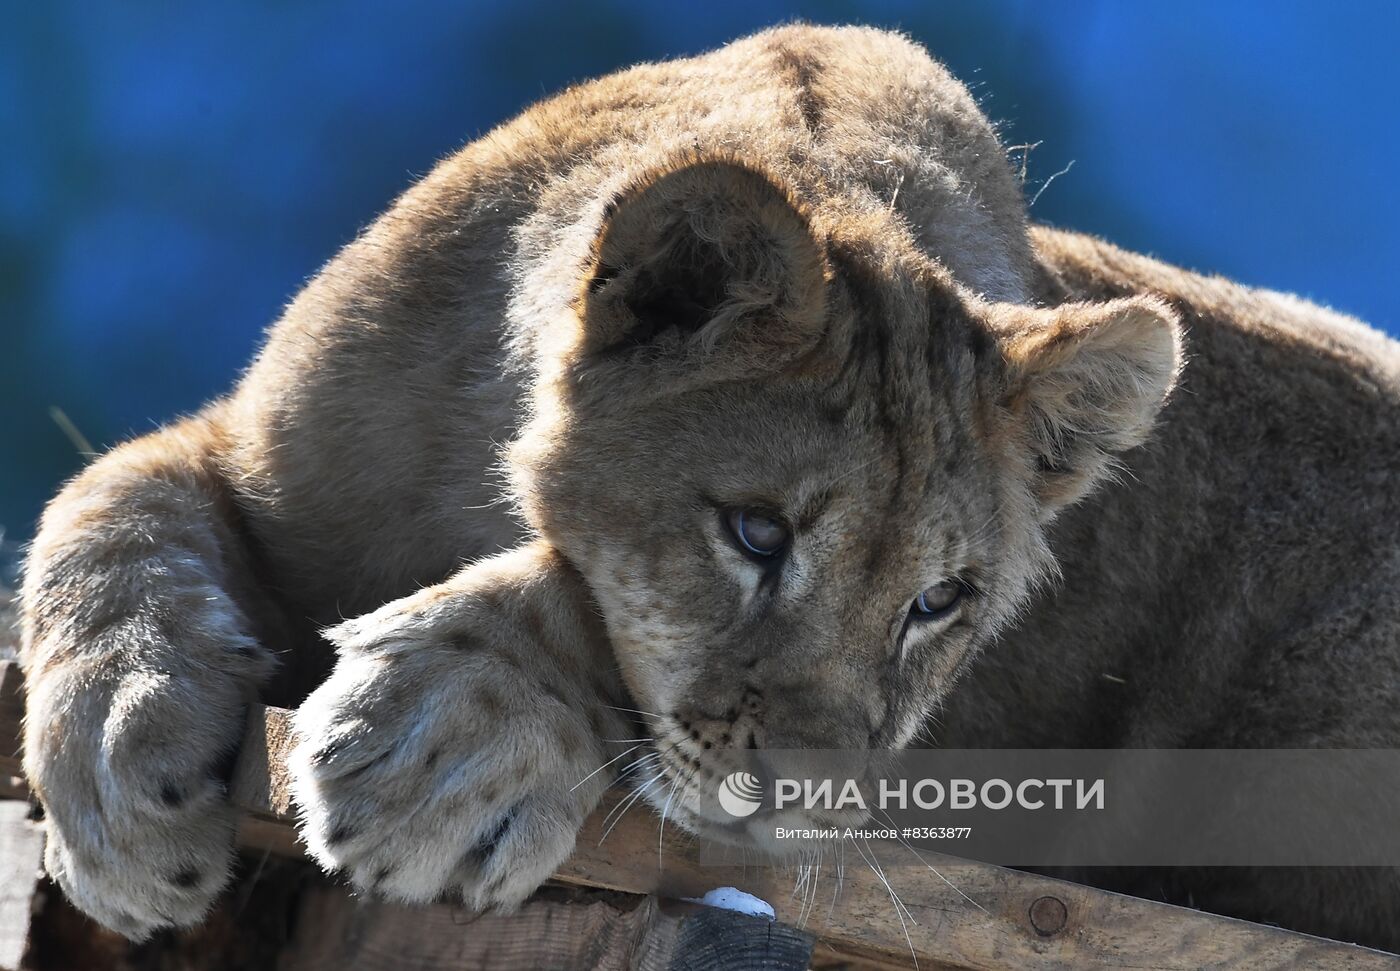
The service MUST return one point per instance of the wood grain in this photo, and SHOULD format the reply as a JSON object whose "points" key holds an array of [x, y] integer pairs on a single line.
{"points": [[966, 915]]}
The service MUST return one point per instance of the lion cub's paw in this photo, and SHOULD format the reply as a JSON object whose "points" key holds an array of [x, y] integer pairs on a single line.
{"points": [[162, 874], [140, 833], [429, 766]]}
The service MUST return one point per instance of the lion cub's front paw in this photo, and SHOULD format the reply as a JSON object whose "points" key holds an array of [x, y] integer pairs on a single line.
{"points": [[140, 834], [152, 875], [427, 766]]}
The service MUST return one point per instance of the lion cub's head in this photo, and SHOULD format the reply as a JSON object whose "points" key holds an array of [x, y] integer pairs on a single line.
{"points": [[806, 476]]}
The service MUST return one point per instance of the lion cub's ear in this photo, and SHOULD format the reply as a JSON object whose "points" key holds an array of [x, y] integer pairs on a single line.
{"points": [[1088, 380], [708, 250]]}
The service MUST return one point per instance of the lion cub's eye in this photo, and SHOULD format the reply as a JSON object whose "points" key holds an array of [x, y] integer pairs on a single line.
{"points": [[937, 601], [756, 532]]}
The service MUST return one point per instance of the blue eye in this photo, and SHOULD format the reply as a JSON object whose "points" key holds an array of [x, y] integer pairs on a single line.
{"points": [[756, 532], [937, 601]]}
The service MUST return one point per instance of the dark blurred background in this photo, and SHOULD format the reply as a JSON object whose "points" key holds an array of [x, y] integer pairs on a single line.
{"points": [[170, 173]]}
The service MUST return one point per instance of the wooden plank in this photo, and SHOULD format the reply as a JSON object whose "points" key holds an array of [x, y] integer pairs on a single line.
{"points": [[573, 930], [967, 915], [335, 932], [21, 864]]}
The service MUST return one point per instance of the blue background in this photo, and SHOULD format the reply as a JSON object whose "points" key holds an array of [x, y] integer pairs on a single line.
{"points": [[170, 173]]}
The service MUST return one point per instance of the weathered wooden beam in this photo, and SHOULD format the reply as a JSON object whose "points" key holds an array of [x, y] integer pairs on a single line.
{"points": [[582, 931], [967, 915], [21, 864]]}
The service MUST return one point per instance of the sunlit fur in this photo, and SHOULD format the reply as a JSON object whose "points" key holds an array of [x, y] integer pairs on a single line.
{"points": [[795, 274]]}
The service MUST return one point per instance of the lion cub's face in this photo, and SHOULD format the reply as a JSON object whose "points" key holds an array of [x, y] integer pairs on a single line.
{"points": [[804, 476]]}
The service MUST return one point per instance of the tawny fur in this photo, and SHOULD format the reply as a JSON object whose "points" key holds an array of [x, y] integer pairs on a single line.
{"points": [[794, 273]]}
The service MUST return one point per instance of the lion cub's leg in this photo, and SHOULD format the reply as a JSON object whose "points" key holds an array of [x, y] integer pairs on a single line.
{"points": [[463, 736], [138, 668]]}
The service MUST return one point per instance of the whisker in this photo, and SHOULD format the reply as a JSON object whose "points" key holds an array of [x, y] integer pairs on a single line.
{"points": [[681, 783], [498, 501], [935, 870], [801, 879], [840, 878], [880, 872], [808, 876], [661, 830], [605, 765], [898, 904], [649, 757], [850, 472], [977, 535], [617, 811], [632, 711], [627, 804], [939, 874]]}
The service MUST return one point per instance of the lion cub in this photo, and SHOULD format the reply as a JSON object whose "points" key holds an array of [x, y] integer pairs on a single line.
{"points": [[781, 414]]}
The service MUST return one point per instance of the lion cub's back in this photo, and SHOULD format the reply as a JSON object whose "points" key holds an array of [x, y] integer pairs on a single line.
{"points": [[1224, 316], [1285, 410], [1234, 586], [1274, 469]]}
